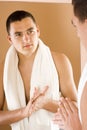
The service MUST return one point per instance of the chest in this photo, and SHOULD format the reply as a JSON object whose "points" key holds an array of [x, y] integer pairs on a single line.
{"points": [[26, 77]]}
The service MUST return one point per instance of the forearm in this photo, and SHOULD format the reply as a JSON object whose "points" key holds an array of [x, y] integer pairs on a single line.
{"points": [[51, 106], [9, 117]]}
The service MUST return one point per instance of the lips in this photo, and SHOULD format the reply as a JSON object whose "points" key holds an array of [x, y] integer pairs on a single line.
{"points": [[27, 46]]}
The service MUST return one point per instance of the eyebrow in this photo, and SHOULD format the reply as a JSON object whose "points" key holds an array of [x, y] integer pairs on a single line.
{"points": [[29, 29]]}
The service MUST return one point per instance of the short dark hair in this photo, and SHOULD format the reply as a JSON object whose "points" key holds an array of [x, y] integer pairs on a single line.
{"points": [[18, 16], [80, 9]]}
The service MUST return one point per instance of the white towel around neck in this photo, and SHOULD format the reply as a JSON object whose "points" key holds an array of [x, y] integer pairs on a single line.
{"points": [[43, 73]]}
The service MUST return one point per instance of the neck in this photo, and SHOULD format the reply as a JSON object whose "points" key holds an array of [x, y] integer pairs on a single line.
{"points": [[25, 60], [84, 44]]}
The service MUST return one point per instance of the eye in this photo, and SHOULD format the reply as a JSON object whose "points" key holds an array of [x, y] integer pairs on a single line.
{"points": [[30, 32], [18, 34]]}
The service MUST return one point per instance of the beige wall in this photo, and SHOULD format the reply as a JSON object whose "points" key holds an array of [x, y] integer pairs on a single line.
{"points": [[56, 30]]}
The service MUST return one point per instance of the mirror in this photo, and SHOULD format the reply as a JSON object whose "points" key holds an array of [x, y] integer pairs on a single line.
{"points": [[57, 32]]}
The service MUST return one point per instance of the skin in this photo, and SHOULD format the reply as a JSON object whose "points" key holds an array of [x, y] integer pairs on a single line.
{"points": [[67, 116], [26, 46]]}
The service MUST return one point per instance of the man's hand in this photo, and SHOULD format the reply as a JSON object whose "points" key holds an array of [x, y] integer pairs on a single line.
{"points": [[67, 116], [35, 102], [40, 99]]}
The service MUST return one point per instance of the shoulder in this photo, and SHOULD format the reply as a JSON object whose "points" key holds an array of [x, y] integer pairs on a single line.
{"points": [[61, 60], [61, 57]]}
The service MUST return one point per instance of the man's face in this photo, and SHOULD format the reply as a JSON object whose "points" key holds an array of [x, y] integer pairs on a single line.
{"points": [[81, 28], [24, 36]]}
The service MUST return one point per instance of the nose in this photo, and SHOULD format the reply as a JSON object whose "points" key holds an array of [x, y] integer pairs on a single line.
{"points": [[26, 37]]}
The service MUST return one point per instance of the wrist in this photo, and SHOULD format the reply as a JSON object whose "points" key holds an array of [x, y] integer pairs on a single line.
{"points": [[24, 113]]}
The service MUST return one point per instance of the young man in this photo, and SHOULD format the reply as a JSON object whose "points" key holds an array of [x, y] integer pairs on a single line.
{"points": [[68, 116], [29, 68]]}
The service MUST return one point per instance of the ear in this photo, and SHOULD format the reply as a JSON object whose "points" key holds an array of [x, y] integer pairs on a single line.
{"points": [[9, 39], [38, 30], [86, 21]]}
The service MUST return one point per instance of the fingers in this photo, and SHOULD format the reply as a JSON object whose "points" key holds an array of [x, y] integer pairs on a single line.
{"points": [[72, 105], [58, 120], [58, 116], [64, 110], [69, 105], [29, 108], [32, 104], [37, 93], [65, 107], [44, 90], [65, 113]]}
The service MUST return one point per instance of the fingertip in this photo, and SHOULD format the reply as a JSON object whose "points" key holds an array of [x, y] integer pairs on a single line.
{"points": [[47, 87], [59, 103], [62, 98], [68, 99], [58, 109]]}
